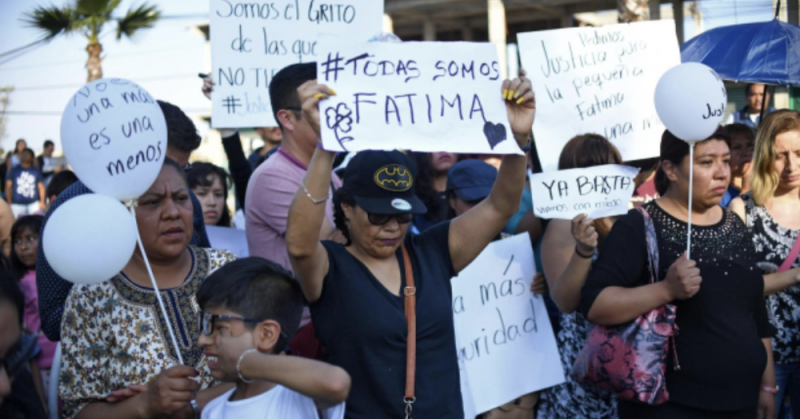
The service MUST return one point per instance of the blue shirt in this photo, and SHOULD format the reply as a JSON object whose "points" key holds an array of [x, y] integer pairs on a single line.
{"points": [[25, 185], [54, 290], [730, 194], [743, 117]]}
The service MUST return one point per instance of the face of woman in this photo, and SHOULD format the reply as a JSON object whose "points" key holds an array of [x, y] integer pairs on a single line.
{"points": [[378, 241], [164, 215], [442, 162], [21, 145], [25, 245], [212, 199], [787, 159], [712, 173], [741, 154]]}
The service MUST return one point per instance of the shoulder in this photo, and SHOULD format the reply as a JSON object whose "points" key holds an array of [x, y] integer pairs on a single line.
{"points": [[739, 205], [216, 258]]}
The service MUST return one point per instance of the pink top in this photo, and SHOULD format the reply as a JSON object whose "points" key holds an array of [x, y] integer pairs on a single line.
{"points": [[269, 195], [32, 321]]}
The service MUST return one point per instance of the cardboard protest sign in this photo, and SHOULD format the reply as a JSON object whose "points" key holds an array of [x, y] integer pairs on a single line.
{"points": [[231, 239], [251, 42], [599, 80], [504, 340], [422, 96], [599, 191]]}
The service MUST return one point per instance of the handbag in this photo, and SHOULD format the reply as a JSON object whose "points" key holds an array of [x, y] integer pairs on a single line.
{"points": [[630, 360]]}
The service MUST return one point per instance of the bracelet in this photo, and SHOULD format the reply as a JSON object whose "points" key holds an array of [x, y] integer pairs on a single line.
{"points": [[578, 252], [771, 390], [308, 194], [195, 408], [239, 365]]}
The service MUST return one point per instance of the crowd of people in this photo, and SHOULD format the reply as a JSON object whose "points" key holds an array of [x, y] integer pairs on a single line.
{"points": [[344, 307]]}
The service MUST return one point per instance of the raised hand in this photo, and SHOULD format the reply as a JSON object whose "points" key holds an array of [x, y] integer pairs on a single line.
{"points": [[584, 233], [310, 94], [521, 107]]}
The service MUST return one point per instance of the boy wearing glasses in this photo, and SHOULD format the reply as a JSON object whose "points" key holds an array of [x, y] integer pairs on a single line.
{"points": [[250, 310]]}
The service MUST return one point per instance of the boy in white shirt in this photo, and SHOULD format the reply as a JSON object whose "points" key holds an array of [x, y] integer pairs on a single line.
{"points": [[250, 309]]}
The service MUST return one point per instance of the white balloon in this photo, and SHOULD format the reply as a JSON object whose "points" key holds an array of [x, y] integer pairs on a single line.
{"points": [[115, 137], [89, 238], [690, 100]]}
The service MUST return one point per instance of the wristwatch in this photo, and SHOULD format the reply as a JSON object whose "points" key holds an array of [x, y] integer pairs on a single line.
{"points": [[773, 390]]}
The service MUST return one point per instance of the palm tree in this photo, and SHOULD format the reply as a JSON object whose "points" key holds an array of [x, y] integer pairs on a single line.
{"points": [[88, 17]]}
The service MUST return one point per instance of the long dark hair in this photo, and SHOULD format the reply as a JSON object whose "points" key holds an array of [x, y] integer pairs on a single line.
{"points": [[342, 197], [425, 189], [28, 222], [199, 176], [674, 150]]}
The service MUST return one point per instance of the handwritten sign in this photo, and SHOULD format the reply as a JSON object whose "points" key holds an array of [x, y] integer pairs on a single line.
{"points": [[252, 41], [599, 80], [115, 137], [600, 191], [231, 239], [504, 340], [422, 96]]}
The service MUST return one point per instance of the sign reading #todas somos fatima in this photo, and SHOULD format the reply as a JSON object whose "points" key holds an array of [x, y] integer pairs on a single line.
{"points": [[599, 191], [252, 41], [422, 96], [599, 80], [504, 340]]}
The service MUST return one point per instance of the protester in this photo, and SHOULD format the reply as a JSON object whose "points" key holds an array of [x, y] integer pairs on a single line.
{"points": [[750, 115], [46, 163], [24, 186], [250, 309], [25, 236], [354, 290], [275, 182], [743, 140], [272, 139], [59, 183], [21, 390], [718, 366], [772, 213], [124, 307], [182, 139], [15, 158], [210, 184], [430, 186], [568, 251]]}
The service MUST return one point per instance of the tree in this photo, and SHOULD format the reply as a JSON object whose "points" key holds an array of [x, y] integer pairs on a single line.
{"points": [[88, 17]]}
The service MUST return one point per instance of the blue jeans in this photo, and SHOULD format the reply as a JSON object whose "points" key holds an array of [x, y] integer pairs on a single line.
{"points": [[787, 376]]}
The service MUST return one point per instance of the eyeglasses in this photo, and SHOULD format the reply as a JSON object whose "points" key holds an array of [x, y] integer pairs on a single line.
{"points": [[381, 219], [207, 322]]}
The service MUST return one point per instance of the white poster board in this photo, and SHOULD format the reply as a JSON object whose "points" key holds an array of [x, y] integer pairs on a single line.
{"points": [[252, 41], [599, 80], [230, 239], [599, 191], [421, 96], [504, 340]]}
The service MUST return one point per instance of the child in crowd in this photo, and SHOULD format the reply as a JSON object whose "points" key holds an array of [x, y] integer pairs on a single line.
{"points": [[250, 309], [24, 242], [24, 186]]}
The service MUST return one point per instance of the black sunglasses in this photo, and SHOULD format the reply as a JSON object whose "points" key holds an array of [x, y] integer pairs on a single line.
{"points": [[381, 219], [207, 322]]}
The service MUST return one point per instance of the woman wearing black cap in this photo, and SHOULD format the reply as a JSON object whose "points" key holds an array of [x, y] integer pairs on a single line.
{"points": [[354, 290], [720, 365]]}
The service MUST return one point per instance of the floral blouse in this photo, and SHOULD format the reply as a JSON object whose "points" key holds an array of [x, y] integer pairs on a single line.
{"points": [[113, 334]]}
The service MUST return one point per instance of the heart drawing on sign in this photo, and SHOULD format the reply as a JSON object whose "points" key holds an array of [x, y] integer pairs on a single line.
{"points": [[495, 133]]}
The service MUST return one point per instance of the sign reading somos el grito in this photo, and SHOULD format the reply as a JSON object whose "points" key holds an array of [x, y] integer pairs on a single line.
{"points": [[252, 41]]}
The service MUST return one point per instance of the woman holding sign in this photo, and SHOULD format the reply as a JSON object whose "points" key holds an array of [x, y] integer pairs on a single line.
{"points": [[357, 292], [720, 364], [772, 213], [115, 342], [568, 251]]}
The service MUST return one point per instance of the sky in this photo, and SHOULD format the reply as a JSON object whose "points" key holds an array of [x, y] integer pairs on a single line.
{"points": [[164, 60]]}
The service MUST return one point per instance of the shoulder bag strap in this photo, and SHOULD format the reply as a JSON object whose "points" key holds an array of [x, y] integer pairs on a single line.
{"points": [[787, 264], [410, 294]]}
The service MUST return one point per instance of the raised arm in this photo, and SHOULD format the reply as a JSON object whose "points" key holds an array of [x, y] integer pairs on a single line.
{"points": [[306, 216], [471, 232], [564, 268]]}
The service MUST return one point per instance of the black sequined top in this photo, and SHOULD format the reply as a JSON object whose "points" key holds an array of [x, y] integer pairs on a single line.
{"points": [[719, 345]]}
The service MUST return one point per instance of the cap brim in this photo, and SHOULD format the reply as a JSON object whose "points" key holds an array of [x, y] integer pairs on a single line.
{"points": [[384, 205], [475, 193]]}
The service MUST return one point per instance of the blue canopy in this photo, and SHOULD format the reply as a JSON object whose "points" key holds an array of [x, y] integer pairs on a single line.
{"points": [[764, 52]]}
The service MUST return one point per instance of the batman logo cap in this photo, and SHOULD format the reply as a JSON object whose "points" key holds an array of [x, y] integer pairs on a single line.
{"points": [[382, 182]]}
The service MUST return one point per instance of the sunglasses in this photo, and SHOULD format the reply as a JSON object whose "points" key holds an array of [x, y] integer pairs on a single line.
{"points": [[381, 219], [207, 322]]}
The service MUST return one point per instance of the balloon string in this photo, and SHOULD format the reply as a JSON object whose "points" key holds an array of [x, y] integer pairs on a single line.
{"points": [[691, 182], [155, 287]]}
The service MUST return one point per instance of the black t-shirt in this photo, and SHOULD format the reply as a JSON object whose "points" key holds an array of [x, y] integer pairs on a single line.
{"points": [[363, 329], [719, 347]]}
